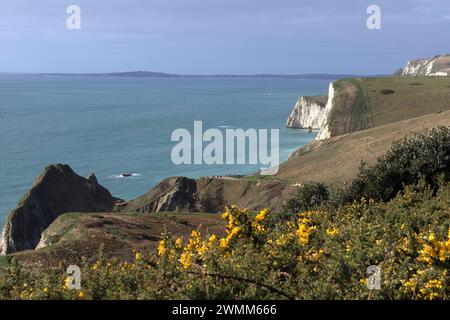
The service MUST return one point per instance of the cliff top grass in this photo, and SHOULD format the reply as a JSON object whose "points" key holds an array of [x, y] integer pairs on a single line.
{"points": [[409, 97], [363, 103]]}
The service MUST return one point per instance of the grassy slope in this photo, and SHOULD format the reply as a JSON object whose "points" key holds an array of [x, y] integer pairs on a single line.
{"points": [[412, 97], [337, 159], [75, 235], [360, 103]]}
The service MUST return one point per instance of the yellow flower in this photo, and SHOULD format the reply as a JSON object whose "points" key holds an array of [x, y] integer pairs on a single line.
{"points": [[67, 282], [261, 215], [348, 247], [185, 259], [212, 239], [332, 231], [178, 243], [45, 290], [138, 255], [435, 283], [195, 234], [81, 295], [161, 248], [225, 215], [223, 243], [258, 228], [304, 232]]}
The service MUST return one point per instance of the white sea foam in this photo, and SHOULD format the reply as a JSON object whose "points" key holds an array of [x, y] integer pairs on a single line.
{"points": [[121, 176]]}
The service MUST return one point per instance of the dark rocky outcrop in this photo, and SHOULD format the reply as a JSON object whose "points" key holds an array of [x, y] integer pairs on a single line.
{"points": [[211, 194], [172, 194], [57, 190]]}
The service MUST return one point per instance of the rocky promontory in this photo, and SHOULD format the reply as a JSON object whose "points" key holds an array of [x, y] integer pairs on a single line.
{"points": [[211, 194], [56, 191]]}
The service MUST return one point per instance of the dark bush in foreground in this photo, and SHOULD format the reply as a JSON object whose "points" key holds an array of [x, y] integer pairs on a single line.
{"points": [[425, 155], [309, 197]]}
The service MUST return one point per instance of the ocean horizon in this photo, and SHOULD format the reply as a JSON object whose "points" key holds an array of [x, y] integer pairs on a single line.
{"points": [[112, 125]]}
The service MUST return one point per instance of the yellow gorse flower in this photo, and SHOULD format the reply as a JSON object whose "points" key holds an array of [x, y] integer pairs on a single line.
{"points": [[67, 281], [435, 249], [178, 243], [161, 248], [261, 215], [332, 231], [186, 259], [304, 232]]}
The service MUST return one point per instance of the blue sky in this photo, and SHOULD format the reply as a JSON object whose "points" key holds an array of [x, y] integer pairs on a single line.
{"points": [[220, 36]]}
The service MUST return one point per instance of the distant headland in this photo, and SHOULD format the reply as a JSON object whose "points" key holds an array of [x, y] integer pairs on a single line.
{"points": [[151, 74]]}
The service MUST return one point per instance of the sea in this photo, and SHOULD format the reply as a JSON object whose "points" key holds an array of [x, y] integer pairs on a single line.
{"points": [[112, 125]]}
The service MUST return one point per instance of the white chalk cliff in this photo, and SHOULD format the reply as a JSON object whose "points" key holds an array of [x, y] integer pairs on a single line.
{"points": [[308, 112], [325, 130], [313, 112], [437, 66]]}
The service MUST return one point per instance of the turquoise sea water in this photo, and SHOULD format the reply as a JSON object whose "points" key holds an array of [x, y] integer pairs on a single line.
{"points": [[109, 125]]}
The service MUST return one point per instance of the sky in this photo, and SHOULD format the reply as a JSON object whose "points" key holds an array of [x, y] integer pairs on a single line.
{"points": [[220, 36]]}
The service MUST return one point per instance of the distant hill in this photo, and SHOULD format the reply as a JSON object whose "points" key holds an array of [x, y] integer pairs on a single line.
{"points": [[151, 74]]}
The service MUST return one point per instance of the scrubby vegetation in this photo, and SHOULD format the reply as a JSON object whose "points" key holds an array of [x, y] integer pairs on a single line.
{"points": [[395, 215], [317, 255], [424, 155]]}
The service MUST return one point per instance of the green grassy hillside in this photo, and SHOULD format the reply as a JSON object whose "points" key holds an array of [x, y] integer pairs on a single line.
{"points": [[370, 102]]}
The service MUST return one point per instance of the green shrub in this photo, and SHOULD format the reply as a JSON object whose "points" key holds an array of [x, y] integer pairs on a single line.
{"points": [[309, 197], [425, 155]]}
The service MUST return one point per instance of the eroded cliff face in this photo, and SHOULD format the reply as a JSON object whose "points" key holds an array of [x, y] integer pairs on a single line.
{"points": [[313, 112], [437, 66], [308, 112], [325, 130], [56, 191], [180, 194]]}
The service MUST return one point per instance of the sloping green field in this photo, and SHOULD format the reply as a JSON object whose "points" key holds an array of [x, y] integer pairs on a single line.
{"points": [[370, 102]]}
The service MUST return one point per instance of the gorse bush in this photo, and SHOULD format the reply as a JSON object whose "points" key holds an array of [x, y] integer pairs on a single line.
{"points": [[424, 155], [318, 254]]}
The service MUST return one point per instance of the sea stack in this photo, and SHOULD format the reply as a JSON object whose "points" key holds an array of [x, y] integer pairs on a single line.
{"points": [[56, 191]]}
